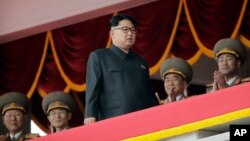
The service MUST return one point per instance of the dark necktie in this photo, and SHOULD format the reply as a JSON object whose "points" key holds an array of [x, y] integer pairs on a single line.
{"points": [[14, 139]]}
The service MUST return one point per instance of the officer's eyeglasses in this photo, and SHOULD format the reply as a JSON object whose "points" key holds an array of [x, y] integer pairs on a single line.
{"points": [[126, 29]]}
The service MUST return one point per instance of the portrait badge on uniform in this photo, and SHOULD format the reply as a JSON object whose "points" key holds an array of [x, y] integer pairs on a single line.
{"points": [[143, 67]]}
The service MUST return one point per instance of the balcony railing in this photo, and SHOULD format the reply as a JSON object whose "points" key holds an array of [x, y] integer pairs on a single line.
{"points": [[204, 113]]}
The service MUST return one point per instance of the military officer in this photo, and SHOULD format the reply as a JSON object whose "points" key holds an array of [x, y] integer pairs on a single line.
{"points": [[14, 107], [176, 74], [230, 54], [58, 106]]}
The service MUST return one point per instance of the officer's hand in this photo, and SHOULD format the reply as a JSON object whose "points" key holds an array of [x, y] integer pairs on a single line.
{"points": [[220, 80], [170, 91], [215, 87], [89, 120], [158, 97]]}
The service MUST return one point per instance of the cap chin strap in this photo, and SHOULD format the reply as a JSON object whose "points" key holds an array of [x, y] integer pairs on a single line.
{"points": [[226, 50], [13, 106], [173, 70], [57, 104]]}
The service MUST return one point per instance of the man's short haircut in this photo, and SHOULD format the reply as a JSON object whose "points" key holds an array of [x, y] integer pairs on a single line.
{"points": [[119, 17]]}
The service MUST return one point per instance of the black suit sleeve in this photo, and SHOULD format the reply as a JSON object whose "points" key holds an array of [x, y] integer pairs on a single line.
{"points": [[94, 85], [153, 99]]}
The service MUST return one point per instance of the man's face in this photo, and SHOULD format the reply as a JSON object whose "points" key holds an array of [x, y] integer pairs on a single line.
{"points": [[174, 84], [14, 120], [228, 64], [59, 118], [123, 35]]}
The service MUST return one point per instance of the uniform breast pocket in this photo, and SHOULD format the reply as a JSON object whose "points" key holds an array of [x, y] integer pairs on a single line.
{"points": [[115, 68]]}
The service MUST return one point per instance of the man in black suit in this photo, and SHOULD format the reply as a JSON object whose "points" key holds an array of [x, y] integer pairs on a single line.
{"points": [[118, 80]]}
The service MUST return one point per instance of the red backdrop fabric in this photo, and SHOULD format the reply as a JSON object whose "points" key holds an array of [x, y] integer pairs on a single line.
{"points": [[56, 60]]}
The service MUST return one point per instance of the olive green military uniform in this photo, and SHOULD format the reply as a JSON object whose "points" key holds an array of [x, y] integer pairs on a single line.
{"points": [[23, 137], [177, 66], [56, 100], [234, 47], [19, 101]]}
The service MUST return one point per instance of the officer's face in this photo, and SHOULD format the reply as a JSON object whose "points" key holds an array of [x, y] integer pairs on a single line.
{"points": [[174, 84], [123, 35], [14, 120], [59, 118], [228, 64]]}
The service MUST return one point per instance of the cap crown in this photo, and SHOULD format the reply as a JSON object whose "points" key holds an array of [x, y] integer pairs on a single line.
{"points": [[14, 100], [178, 66], [58, 100], [230, 46]]}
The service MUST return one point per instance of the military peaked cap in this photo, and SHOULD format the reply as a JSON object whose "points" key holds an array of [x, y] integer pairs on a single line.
{"points": [[58, 99], [230, 46], [177, 66], [14, 100]]}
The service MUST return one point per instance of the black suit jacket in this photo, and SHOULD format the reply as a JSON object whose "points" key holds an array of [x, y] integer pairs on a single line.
{"points": [[117, 83]]}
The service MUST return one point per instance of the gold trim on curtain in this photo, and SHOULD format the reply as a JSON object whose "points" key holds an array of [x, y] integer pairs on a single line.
{"points": [[71, 85], [156, 67], [39, 71], [201, 46], [244, 40]]}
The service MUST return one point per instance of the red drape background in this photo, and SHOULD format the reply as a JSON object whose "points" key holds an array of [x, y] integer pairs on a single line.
{"points": [[56, 60]]}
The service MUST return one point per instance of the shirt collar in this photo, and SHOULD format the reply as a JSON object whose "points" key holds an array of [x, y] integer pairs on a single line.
{"points": [[231, 81], [17, 135], [178, 97], [119, 52], [53, 130]]}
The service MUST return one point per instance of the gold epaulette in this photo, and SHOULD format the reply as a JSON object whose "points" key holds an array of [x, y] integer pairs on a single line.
{"points": [[4, 138], [209, 85], [247, 79], [31, 136], [162, 101]]}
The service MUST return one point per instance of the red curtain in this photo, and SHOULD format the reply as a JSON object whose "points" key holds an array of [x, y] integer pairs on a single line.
{"points": [[245, 27], [56, 60], [19, 63], [70, 46]]}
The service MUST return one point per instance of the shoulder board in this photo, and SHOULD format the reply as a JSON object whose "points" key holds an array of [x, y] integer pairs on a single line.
{"points": [[209, 85], [31, 136], [247, 79], [162, 101], [4, 138]]}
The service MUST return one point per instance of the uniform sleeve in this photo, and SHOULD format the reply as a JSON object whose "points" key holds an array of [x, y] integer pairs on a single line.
{"points": [[93, 85]]}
